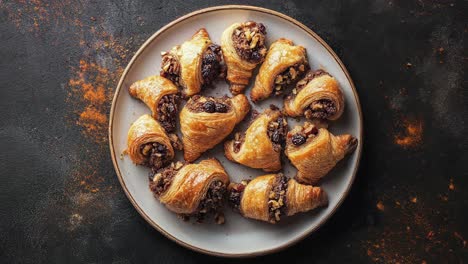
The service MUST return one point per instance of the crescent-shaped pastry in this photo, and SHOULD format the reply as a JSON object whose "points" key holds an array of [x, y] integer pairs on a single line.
{"points": [[283, 66], [160, 95], [148, 143], [195, 63], [317, 96], [269, 197], [243, 46], [260, 145], [314, 152], [192, 189], [206, 121]]}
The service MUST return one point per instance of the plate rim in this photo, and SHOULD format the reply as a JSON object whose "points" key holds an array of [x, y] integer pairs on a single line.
{"points": [[141, 50]]}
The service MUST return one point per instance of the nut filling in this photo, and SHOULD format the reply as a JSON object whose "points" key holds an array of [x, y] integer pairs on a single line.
{"points": [[249, 41], [321, 109], [288, 77], [212, 64], [170, 68], [209, 104], [301, 137], [235, 194], [238, 141], [163, 179], [167, 112], [211, 203], [277, 198], [308, 78], [213, 199], [277, 131], [156, 154]]}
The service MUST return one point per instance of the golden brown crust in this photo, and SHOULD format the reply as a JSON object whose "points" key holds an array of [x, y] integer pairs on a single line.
{"points": [[299, 198], [239, 71], [254, 202], [303, 198], [189, 55], [146, 130], [257, 150], [190, 184], [202, 131], [323, 87], [319, 154], [282, 55], [151, 89]]}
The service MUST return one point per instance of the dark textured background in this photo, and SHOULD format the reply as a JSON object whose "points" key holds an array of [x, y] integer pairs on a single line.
{"points": [[62, 203]]}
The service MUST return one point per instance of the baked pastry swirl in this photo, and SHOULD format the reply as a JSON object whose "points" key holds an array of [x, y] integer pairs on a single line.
{"points": [[206, 121], [243, 46], [283, 66], [260, 146], [161, 96], [317, 96], [148, 144], [314, 152], [192, 189], [195, 63], [270, 197]]}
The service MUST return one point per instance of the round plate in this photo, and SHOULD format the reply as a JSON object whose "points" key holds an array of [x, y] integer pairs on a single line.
{"points": [[238, 236]]}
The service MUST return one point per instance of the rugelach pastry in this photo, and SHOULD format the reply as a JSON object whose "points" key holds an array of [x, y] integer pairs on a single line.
{"points": [[192, 190], [270, 197], [317, 96], [244, 47], [260, 146], [314, 152], [148, 144], [206, 121], [195, 64], [161, 96], [284, 65]]}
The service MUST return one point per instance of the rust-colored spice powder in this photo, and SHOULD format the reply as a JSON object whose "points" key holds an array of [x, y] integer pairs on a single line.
{"points": [[451, 185], [32, 15], [92, 87], [412, 135], [414, 227], [380, 206]]}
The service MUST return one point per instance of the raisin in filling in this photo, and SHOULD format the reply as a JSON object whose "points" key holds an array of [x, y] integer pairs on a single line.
{"points": [[300, 137], [277, 131], [167, 112], [212, 64], [238, 141], [321, 109], [249, 41], [156, 154], [170, 68], [213, 200], [277, 198], [235, 194], [288, 77], [209, 104], [162, 179]]}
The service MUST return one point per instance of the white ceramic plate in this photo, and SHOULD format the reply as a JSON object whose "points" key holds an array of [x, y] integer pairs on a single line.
{"points": [[239, 236]]}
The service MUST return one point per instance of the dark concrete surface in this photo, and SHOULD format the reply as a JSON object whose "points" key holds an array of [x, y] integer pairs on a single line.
{"points": [[62, 203]]}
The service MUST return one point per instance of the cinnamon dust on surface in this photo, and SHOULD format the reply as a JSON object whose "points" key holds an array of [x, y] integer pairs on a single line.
{"points": [[413, 228], [92, 81], [97, 54], [33, 15], [380, 206], [411, 135], [91, 91]]}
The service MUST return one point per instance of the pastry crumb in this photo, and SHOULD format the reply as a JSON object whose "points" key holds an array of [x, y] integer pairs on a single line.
{"points": [[380, 206]]}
